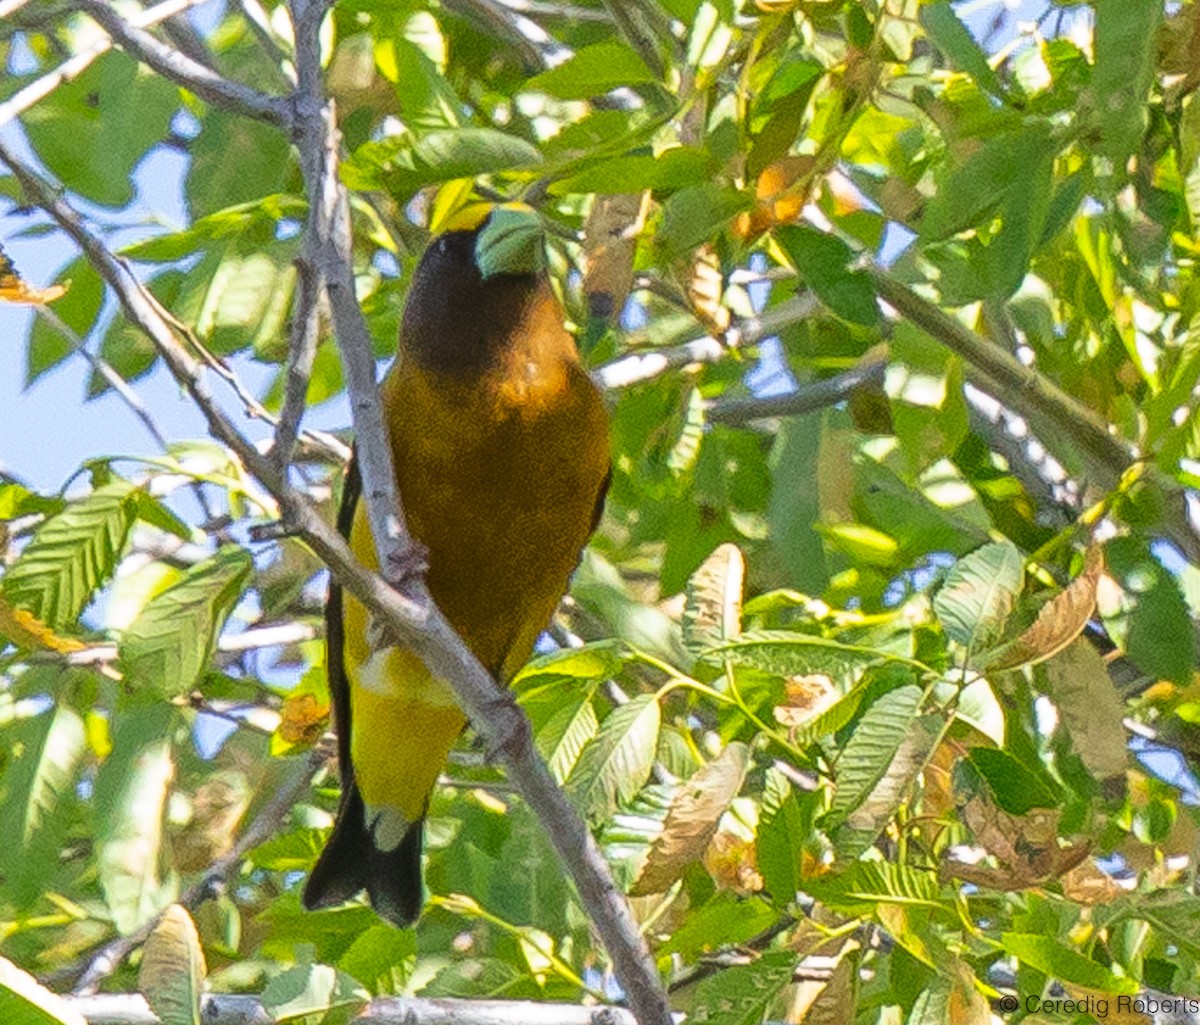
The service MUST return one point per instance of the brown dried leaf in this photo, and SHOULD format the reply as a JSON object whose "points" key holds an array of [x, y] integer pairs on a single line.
{"points": [[806, 698], [1060, 621], [1088, 884], [217, 808], [1092, 711], [712, 613], [610, 241], [13, 289], [692, 820]]}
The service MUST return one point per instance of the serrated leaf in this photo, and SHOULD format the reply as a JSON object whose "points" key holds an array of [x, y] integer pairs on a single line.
{"points": [[171, 974], [692, 820], [1173, 913], [616, 763], [741, 995], [1047, 954], [712, 611], [561, 741], [868, 754], [172, 640], [979, 593], [793, 654], [26, 632], [44, 754], [1059, 622], [591, 662], [782, 833], [24, 1001], [72, 555], [865, 822], [131, 799], [866, 884]]}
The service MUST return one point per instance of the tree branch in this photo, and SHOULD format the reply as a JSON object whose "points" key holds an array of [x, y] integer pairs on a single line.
{"points": [[182, 70], [806, 399], [637, 367], [410, 612], [40, 88], [1037, 399], [230, 1009]]}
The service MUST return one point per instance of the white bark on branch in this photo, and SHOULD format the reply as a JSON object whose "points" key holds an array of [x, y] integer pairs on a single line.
{"points": [[221, 1009]]}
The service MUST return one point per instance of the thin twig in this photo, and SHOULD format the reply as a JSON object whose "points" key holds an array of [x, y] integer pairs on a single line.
{"points": [[42, 87], [182, 70], [637, 367], [807, 399], [109, 957], [302, 348]]}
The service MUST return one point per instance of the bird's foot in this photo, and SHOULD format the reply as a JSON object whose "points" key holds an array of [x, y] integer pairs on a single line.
{"points": [[407, 566]]}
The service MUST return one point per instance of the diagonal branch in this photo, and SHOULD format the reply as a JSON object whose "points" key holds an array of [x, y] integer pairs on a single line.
{"points": [[182, 70], [490, 708], [68, 70]]}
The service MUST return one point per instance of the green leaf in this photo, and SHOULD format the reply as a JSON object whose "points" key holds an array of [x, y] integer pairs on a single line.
{"points": [[593, 71], [427, 100], [823, 261], [310, 989], [868, 754], [382, 958], [172, 971], [866, 884], [675, 168], [512, 242], [616, 763], [78, 309], [571, 725], [1047, 954], [865, 822], [23, 1001], [1016, 787], [44, 754], [591, 662], [235, 160], [979, 593], [83, 131], [783, 830], [954, 39], [402, 164], [173, 639], [72, 555], [794, 507], [126, 348], [1125, 35], [793, 654], [742, 995], [131, 802], [1173, 913], [693, 215], [727, 919], [1091, 709]]}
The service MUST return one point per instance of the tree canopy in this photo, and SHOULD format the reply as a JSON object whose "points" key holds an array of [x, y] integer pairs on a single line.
{"points": [[877, 684]]}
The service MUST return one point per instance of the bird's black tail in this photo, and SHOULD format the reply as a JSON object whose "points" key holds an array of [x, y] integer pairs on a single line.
{"points": [[351, 863]]}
